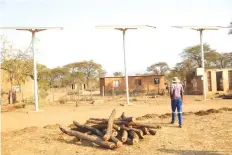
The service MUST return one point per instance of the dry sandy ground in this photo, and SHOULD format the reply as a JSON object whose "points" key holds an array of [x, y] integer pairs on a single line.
{"points": [[201, 135]]}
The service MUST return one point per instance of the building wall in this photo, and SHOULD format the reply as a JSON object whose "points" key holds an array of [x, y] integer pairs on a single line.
{"points": [[225, 77], [199, 90], [147, 83]]}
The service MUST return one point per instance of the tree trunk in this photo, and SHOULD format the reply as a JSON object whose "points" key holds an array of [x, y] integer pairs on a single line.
{"points": [[93, 130], [90, 138], [110, 126], [138, 131], [127, 119], [100, 126]]}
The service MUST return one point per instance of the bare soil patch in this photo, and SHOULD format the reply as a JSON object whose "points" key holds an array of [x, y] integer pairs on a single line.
{"points": [[209, 134]]}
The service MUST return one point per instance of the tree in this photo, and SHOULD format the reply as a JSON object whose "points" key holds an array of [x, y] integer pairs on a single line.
{"points": [[181, 69], [13, 62], [230, 31], [90, 69], [102, 73], [193, 53], [159, 68], [74, 74], [224, 60], [59, 74], [117, 74]]}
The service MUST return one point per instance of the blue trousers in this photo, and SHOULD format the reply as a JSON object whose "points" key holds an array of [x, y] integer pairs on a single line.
{"points": [[177, 104]]}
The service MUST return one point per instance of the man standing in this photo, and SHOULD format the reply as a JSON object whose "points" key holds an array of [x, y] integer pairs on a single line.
{"points": [[176, 95]]}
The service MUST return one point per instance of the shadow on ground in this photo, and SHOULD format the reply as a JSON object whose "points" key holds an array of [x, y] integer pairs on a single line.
{"points": [[194, 152], [83, 143]]}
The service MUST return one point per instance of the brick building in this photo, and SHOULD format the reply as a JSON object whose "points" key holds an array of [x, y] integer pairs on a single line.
{"points": [[141, 83], [217, 81]]}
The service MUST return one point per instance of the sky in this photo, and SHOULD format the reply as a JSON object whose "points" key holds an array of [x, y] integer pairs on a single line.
{"points": [[80, 40]]}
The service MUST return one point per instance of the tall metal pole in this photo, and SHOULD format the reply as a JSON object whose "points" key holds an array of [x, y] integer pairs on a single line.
{"points": [[126, 76], [35, 73], [203, 62]]}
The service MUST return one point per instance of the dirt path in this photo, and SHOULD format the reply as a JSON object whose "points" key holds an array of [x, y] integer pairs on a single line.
{"points": [[65, 114]]}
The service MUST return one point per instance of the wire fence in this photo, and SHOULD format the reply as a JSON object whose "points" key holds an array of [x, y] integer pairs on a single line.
{"points": [[65, 95]]}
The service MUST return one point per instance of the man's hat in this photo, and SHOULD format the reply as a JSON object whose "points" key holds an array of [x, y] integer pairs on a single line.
{"points": [[175, 80]]}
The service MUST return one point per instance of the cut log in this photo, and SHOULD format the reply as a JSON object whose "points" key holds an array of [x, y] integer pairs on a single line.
{"points": [[83, 130], [90, 138], [101, 126], [152, 131], [129, 141], [134, 124], [110, 126], [89, 133], [124, 136], [123, 115], [98, 119], [96, 122], [116, 141], [106, 122], [140, 125], [127, 119], [138, 131], [116, 127], [114, 133], [103, 131], [134, 137], [146, 131], [94, 130]]}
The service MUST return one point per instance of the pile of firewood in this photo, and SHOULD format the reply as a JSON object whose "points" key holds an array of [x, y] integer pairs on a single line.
{"points": [[111, 133]]}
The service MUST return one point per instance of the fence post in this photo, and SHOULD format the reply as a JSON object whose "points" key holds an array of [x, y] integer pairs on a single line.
{"points": [[103, 92], [78, 94], [113, 92], [53, 96], [22, 94], [148, 88], [91, 92]]}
